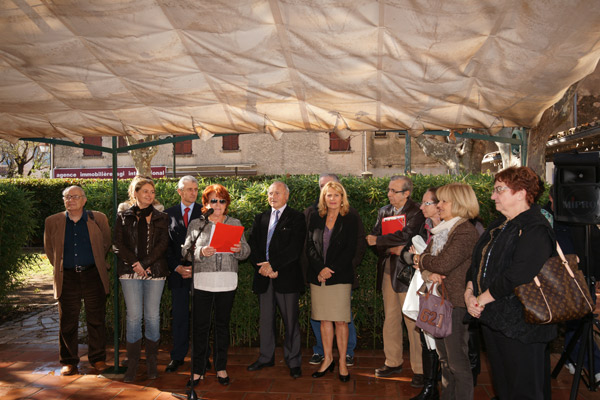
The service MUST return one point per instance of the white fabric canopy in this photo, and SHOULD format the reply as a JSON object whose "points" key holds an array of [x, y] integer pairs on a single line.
{"points": [[72, 68]]}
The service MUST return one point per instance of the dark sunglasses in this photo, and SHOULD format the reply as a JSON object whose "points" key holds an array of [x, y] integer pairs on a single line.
{"points": [[215, 201]]}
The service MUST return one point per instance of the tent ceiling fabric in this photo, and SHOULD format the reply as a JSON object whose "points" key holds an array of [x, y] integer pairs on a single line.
{"points": [[72, 68]]}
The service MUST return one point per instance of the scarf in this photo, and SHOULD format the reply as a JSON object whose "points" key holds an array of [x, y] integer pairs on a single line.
{"points": [[440, 235], [143, 234]]}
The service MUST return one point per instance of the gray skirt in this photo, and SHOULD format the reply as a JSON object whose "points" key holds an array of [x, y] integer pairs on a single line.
{"points": [[330, 303]]}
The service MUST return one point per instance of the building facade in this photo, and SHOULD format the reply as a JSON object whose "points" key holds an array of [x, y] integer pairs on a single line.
{"points": [[381, 154]]}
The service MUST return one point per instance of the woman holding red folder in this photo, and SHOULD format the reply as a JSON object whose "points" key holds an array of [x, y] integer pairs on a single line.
{"points": [[215, 281]]}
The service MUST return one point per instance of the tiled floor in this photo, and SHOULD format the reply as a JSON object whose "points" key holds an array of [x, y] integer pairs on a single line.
{"points": [[33, 372]]}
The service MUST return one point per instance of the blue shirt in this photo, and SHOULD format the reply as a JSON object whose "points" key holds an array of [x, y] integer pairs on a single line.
{"points": [[78, 247]]}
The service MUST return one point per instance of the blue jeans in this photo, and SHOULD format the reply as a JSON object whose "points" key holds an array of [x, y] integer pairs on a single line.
{"points": [[318, 347], [142, 300]]}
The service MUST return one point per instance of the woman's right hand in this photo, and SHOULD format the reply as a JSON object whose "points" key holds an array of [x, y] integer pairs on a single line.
{"points": [[208, 251], [473, 307], [138, 269], [325, 274]]}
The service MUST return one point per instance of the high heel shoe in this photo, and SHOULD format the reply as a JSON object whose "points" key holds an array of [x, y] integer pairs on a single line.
{"points": [[318, 374], [344, 378], [196, 381], [223, 380]]}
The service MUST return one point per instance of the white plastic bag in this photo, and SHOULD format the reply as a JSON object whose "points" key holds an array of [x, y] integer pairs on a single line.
{"points": [[410, 308]]}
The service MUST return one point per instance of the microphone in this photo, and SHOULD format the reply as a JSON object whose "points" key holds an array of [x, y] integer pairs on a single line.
{"points": [[207, 214]]}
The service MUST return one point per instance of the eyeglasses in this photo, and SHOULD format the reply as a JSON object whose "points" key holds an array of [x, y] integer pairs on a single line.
{"points": [[75, 197], [429, 203], [499, 189], [215, 201], [397, 191]]}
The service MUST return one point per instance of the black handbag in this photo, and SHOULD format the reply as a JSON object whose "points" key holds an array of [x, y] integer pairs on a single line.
{"points": [[404, 272]]}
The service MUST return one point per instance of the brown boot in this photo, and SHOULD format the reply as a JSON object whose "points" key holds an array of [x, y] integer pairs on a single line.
{"points": [[151, 358], [133, 357]]}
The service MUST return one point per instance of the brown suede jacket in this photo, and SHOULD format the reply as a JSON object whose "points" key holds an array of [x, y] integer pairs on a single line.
{"points": [[54, 244], [453, 260]]}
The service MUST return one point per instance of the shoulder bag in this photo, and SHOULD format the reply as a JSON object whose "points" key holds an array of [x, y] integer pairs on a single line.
{"points": [[435, 313], [558, 293]]}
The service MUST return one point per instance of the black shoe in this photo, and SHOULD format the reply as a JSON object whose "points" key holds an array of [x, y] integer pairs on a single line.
{"points": [[173, 365], [344, 378], [296, 372], [386, 371], [223, 381], [316, 359], [196, 381], [418, 381], [318, 374], [349, 360], [255, 366]]}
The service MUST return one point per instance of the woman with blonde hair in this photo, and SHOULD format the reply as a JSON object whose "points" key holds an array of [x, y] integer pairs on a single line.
{"points": [[141, 240], [448, 257], [331, 244]]}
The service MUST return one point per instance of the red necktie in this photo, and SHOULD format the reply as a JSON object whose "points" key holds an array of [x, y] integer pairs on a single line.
{"points": [[185, 216]]}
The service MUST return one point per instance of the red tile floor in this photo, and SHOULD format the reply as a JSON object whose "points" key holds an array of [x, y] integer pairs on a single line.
{"points": [[33, 372]]}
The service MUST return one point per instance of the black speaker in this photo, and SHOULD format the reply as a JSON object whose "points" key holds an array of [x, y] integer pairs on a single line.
{"points": [[577, 188]]}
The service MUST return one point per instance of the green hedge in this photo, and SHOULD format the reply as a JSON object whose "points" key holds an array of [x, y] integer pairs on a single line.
{"points": [[249, 198], [17, 223]]}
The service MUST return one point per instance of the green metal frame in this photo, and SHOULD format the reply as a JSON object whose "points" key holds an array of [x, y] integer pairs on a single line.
{"points": [[466, 135]]}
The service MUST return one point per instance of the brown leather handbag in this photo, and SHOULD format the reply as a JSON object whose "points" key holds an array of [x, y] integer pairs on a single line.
{"points": [[558, 293]]}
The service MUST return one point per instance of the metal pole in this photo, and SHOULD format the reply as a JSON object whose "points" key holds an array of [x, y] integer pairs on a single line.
{"points": [[525, 139], [407, 154], [116, 369], [174, 162]]}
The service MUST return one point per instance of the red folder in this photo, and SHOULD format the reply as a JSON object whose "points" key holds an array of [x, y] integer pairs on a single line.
{"points": [[393, 224], [225, 236]]}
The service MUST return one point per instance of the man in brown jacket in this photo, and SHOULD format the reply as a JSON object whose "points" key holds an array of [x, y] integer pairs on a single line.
{"points": [[76, 242]]}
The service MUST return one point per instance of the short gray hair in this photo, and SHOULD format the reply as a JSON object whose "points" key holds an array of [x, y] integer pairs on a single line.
{"points": [[184, 179], [330, 175], [408, 183], [287, 189], [64, 192]]}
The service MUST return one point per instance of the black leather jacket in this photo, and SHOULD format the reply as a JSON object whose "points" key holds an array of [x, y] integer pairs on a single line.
{"points": [[126, 241], [414, 224]]}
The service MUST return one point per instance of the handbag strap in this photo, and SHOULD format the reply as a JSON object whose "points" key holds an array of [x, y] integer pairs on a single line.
{"points": [[564, 262]]}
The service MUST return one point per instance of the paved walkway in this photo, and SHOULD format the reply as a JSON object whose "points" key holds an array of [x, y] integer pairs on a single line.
{"points": [[29, 369]]}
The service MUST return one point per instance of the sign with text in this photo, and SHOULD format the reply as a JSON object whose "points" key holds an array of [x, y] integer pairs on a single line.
{"points": [[105, 173]]}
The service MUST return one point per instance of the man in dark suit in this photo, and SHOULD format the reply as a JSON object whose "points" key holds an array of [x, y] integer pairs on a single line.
{"points": [[277, 241], [181, 271]]}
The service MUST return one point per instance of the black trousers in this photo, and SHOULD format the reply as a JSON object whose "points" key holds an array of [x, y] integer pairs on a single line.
{"points": [[520, 371], [208, 307], [288, 307], [457, 379], [180, 297], [86, 286]]}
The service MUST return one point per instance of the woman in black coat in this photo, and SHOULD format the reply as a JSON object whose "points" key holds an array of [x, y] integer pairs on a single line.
{"points": [[331, 245], [511, 252]]}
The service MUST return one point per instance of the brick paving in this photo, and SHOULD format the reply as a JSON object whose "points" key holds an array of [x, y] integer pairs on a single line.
{"points": [[29, 369]]}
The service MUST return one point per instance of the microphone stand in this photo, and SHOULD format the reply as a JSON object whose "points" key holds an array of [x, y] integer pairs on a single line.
{"points": [[191, 394]]}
